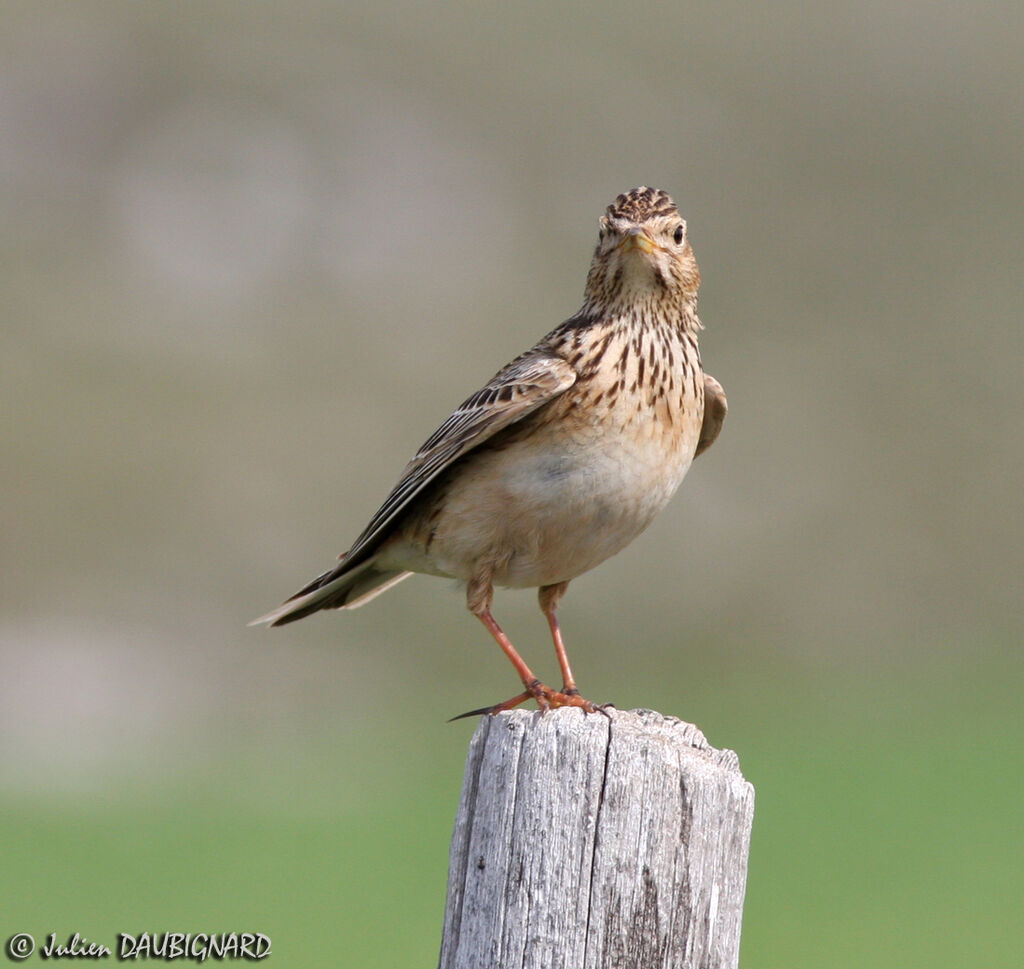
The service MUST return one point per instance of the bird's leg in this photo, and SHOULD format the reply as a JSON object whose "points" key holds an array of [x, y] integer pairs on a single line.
{"points": [[525, 673], [549, 596], [479, 594]]}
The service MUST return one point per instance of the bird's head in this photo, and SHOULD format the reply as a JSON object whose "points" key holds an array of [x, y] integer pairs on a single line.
{"points": [[642, 253]]}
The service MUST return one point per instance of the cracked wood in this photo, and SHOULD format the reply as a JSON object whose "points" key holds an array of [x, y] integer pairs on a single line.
{"points": [[597, 843]]}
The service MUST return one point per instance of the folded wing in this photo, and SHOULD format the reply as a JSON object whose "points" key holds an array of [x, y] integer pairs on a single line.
{"points": [[517, 390], [715, 409]]}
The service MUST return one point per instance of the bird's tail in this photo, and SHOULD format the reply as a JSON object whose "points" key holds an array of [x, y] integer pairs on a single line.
{"points": [[338, 588]]}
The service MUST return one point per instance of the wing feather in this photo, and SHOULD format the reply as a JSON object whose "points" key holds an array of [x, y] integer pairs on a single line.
{"points": [[514, 392], [715, 409]]}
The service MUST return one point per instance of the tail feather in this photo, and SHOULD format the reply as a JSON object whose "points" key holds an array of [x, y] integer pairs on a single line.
{"points": [[371, 586], [332, 591]]}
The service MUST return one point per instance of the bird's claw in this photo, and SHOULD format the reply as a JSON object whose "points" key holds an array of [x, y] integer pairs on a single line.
{"points": [[547, 699]]}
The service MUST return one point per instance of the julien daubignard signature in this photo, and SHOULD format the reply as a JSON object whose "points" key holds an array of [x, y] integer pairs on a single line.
{"points": [[165, 946]]}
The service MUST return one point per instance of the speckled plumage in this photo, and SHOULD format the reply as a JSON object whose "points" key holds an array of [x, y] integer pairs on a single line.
{"points": [[565, 455]]}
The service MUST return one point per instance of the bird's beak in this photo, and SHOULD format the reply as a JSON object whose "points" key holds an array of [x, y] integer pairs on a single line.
{"points": [[638, 239]]}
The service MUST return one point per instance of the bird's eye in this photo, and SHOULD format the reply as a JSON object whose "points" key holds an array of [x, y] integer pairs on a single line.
{"points": [[678, 235]]}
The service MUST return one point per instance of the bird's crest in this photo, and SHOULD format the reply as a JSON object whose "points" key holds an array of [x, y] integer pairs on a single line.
{"points": [[641, 204]]}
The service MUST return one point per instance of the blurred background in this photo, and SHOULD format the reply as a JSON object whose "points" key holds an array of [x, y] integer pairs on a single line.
{"points": [[253, 253]]}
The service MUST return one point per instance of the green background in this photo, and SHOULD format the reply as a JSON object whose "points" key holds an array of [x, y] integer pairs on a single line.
{"points": [[254, 253]]}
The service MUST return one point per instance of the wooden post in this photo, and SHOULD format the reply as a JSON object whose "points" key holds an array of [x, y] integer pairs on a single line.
{"points": [[597, 842]]}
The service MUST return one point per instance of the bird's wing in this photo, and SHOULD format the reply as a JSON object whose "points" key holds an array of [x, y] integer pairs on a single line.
{"points": [[715, 409], [515, 391]]}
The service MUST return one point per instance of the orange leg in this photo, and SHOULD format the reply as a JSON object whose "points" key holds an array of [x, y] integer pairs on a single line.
{"points": [[549, 597], [479, 598], [525, 673]]}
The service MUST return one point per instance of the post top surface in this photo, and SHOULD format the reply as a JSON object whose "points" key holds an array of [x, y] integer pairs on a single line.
{"points": [[640, 727]]}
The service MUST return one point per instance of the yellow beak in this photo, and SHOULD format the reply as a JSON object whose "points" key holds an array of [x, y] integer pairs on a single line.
{"points": [[638, 239]]}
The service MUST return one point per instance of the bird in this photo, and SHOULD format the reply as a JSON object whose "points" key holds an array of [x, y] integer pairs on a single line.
{"points": [[562, 458]]}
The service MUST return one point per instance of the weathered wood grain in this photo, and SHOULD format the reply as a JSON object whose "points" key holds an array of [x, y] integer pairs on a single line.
{"points": [[597, 843]]}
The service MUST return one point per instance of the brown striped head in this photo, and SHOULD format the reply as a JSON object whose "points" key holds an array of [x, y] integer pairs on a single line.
{"points": [[642, 253], [640, 204]]}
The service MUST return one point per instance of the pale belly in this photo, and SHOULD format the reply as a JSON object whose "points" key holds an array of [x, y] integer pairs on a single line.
{"points": [[546, 510]]}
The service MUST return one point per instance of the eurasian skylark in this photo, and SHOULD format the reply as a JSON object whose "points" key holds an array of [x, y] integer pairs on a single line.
{"points": [[563, 457]]}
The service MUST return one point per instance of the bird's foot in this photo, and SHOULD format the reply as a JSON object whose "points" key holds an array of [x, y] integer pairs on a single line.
{"points": [[547, 699]]}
